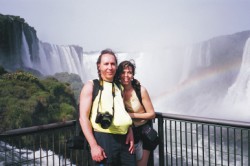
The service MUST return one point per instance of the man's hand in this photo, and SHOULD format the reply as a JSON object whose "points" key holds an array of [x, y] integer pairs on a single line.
{"points": [[130, 140], [98, 153]]}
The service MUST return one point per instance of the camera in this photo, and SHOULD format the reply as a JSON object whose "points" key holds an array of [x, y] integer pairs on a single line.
{"points": [[105, 119]]}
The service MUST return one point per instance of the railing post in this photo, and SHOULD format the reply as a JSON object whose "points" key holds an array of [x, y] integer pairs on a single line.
{"points": [[248, 147], [161, 144]]}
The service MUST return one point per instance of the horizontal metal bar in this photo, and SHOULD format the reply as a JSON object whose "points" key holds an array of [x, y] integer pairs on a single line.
{"points": [[197, 119], [35, 129]]}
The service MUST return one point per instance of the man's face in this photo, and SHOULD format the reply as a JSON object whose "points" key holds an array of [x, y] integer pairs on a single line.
{"points": [[107, 67]]}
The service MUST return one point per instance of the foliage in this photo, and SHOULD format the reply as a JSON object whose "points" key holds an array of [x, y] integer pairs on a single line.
{"points": [[20, 75], [73, 79], [27, 101], [2, 70]]}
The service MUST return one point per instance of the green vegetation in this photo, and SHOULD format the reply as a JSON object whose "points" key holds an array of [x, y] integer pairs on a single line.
{"points": [[73, 80], [27, 101], [2, 71]]}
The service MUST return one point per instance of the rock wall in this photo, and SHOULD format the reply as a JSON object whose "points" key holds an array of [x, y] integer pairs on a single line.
{"points": [[12, 31]]}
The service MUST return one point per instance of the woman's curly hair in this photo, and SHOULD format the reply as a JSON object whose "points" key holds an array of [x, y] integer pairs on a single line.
{"points": [[135, 83]]}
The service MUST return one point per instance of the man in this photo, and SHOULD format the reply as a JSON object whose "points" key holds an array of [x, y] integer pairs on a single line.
{"points": [[105, 122]]}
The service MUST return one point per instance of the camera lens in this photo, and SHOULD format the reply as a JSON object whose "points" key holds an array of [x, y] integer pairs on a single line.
{"points": [[106, 121], [105, 124]]}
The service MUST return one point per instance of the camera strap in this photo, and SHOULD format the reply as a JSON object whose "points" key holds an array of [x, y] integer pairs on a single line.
{"points": [[113, 95]]}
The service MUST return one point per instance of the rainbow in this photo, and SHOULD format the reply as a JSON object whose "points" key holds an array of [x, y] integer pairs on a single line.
{"points": [[202, 76]]}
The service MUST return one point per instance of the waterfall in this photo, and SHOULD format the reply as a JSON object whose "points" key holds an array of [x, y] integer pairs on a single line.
{"points": [[204, 82], [204, 55], [187, 65], [45, 65], [195, 56], [191, 80], [25, 53], [88, 63], [238, 95], [55, 59], [207, 56]]}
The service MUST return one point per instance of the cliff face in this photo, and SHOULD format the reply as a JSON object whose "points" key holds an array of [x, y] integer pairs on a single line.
{"points": [[20, 48], [13, 31], [219, 54], [218, 51]]}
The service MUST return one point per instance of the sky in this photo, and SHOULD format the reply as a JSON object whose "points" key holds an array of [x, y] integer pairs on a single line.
{"points": [[130, 25]]}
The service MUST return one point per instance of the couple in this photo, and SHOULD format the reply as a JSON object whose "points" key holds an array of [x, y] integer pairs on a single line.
{"points": [[113, 143]]}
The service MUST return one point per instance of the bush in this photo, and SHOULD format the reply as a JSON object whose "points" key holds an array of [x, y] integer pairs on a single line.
{"points": [[27, 101]]}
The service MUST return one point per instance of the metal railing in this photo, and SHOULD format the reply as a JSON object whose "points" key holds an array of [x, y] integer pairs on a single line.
{"points": [[184, 140], [41, 145], [188, 140]]}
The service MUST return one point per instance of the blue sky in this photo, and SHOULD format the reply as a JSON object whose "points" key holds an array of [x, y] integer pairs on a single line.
{"points": [[131, 25]]}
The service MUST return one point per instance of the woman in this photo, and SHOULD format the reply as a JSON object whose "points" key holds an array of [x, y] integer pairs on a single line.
{"points": [[141, 112]]}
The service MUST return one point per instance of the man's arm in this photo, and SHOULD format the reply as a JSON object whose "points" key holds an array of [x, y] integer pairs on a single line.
{"points": [[85, 104]]}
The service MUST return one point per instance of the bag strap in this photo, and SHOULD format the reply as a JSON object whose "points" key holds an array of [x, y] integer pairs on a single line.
{"points": [[96, 88], [138, 93]]}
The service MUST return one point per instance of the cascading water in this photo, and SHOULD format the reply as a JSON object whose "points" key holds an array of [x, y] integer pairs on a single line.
{"points": [[186, 81], [186, 66], [194, 58], [204, 83], [46, 66], [25, 53], [60, 59], [71, 59], [22, 155], [238, 95]]}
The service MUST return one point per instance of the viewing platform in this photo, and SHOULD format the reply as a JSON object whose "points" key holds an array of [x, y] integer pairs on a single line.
{"points": [[184, 140]]}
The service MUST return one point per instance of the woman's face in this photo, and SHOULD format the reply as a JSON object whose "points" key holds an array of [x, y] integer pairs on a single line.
{"points": [[107, 67], [126, 76]]}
